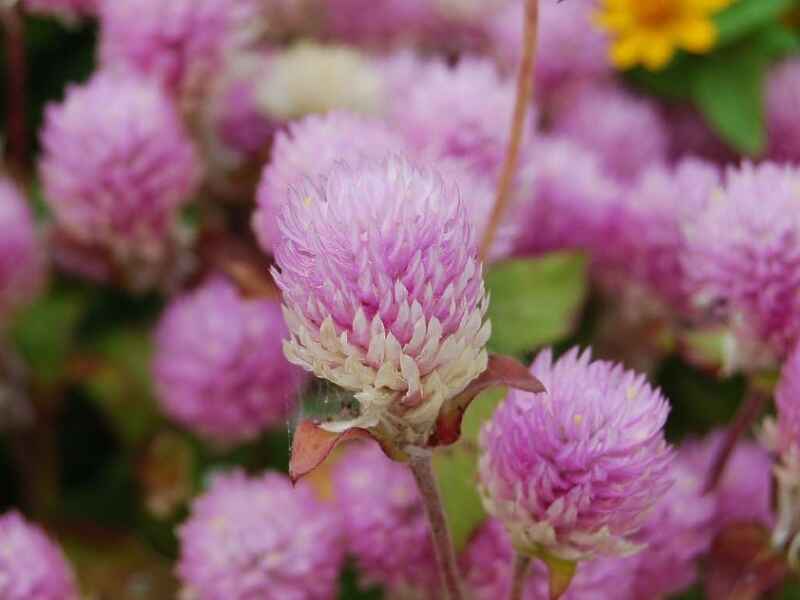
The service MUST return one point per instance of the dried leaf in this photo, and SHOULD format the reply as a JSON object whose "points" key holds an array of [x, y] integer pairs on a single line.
{"points": [[312, 445]]}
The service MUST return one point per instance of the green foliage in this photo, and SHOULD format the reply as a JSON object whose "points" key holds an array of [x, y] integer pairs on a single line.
{"points": [[535, 302], [746, 16]]}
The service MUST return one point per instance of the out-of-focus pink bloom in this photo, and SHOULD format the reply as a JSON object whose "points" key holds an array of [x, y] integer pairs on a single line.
{"points": [[787, 401], [378, 21], [783, 124], [219, 366], [574, 471]]}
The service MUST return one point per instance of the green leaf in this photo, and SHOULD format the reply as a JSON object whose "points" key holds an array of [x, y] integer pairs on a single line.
{"points": [[456, 470], [746, 16], [728, 90], [44, 333], [535, 302]]}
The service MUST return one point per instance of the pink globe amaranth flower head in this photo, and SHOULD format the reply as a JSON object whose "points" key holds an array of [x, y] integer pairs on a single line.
{"points": [[177, 43], [459, 112], [259, 537], [783, 98], [743, 493], [574, 472], [676, 534], [657, 208], [787, 402], [307, 150], [383, 292], [570, 48], [487, 563], [626, 131], [743, 254], [219, 366], [68, 11], [117, 163], [32, 567], [22, 261], [384, 522], [563, 199], [377, 22]]}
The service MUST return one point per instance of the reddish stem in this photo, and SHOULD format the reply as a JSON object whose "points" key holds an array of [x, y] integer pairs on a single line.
{"points": [[523, 102], [16, 82]]}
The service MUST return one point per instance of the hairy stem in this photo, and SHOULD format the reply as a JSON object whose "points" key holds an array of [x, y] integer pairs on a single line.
{"points": [[745, 418], [422, 468], [16, 81], [523, 102], [522, 565]]}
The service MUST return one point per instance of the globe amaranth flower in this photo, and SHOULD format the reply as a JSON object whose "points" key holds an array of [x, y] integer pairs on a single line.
{"points": [[383, 292], [461, 112], [32, 567], [573, 472], [307, 150], [21, 254], [783, 126], [377, 22], [743, 255], [487, 563], [627, 132], [219, 367], [384, 522], [569, 48], [68, 11], [649, 33], [563, 199], [117, 164], [260, 538], [178, 43]]}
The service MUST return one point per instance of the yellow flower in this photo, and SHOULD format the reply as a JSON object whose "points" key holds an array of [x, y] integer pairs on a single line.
{"points": [[649, 32]]}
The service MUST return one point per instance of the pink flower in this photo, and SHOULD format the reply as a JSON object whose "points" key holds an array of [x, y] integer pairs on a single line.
{"points": [[219, 366], [783, 98], [31, 566], [383, 292], [574, 472], [260, 538], [787, 401], [379, 22]]}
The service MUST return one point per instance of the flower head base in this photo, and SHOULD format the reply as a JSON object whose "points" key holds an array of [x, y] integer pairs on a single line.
{"points": [[573, 472], [260, 538], [219, 367], [383, 293], [31, 566], [650, 32]]}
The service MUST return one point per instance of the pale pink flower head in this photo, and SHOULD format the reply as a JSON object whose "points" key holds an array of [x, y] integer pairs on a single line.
{"points": [[21, 253], [384, 520], [783, 98], [573, 472], [626, 131], [219, 367], [787, 401], [459, 112], [307, 150], [384, 293], [117, 164], [743, 255], [69, 11], [487, 562], [32, 567], [570, 48], [260, 537], [177, 43]]}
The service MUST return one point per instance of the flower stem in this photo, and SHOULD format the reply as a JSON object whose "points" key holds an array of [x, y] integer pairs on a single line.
{"points": [[16, 78], [523, 102], [422, 468], [747, 415], [522, 565]]}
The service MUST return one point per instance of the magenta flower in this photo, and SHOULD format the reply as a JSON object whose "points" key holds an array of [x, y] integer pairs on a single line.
{"points": [[787, 401], [384, 521], [626, 131], [259, 538], [783, 95], [308, 150], [68, 11], [743, 255], [31, 566], [486, 565], [383, 293], [573, 472], [21, 255], [178, 43], [117, 164], [219, 366]]}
